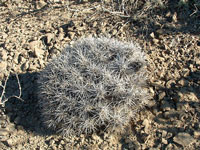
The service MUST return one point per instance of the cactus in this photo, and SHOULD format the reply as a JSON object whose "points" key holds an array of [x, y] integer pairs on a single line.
{"points": [[95, 84]]}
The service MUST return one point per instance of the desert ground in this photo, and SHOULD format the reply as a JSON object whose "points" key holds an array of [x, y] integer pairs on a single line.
{"points": [[32, 33]]}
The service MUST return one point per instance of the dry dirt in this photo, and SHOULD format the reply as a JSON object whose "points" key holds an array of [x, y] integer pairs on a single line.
{"points": [[32, 33]]}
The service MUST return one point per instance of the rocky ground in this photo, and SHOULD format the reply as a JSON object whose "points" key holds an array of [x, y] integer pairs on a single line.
{"points": [[33, 32]]}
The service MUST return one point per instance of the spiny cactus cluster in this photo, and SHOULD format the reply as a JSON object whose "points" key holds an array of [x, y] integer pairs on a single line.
{"points": [[96, 83]]}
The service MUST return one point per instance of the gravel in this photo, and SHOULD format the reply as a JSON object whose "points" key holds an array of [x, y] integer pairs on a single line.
{"points": [[29, 39]]}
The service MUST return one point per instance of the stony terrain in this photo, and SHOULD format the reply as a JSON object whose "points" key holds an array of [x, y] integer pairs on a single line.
{"points": [[34, 32]]}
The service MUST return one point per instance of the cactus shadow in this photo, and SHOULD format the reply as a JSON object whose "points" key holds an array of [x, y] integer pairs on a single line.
{"points": [[25, 113]]}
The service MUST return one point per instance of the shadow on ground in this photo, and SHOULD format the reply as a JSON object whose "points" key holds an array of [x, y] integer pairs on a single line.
{"points": [[25, 113]]}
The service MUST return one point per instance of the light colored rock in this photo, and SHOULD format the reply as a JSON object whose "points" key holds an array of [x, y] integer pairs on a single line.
{"points": [[11, 127], [146, 124], [4, 132], [3, 35], [62, 142], [174, 17], [192, 97], [164, 133], [41, 63], [114, 32], [55, 1], [61, 36], [32, 67], [97, 138], [161, 95], [3, 55], [103, 146], [71, 35], [40, 4], [3, 66], [10, 142], [155, 41], [35, 46], [151, 91], [49, 36], [16, 58], [169, 147], [152, 35], [39, 53], [196, 134], [183, 139], [95, 24], [164, 141], [21, 59], [52, 142], [170, 83], [182, 82]]}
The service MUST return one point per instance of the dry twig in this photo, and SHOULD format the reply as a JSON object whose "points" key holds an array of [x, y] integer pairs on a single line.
{"points": [[3, 98]]}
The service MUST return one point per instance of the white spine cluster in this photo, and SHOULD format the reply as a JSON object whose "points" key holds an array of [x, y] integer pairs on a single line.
{"points": [[95, 83]]}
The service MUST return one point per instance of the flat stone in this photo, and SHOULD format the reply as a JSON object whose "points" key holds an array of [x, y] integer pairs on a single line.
{"points": [[183, 139]]}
